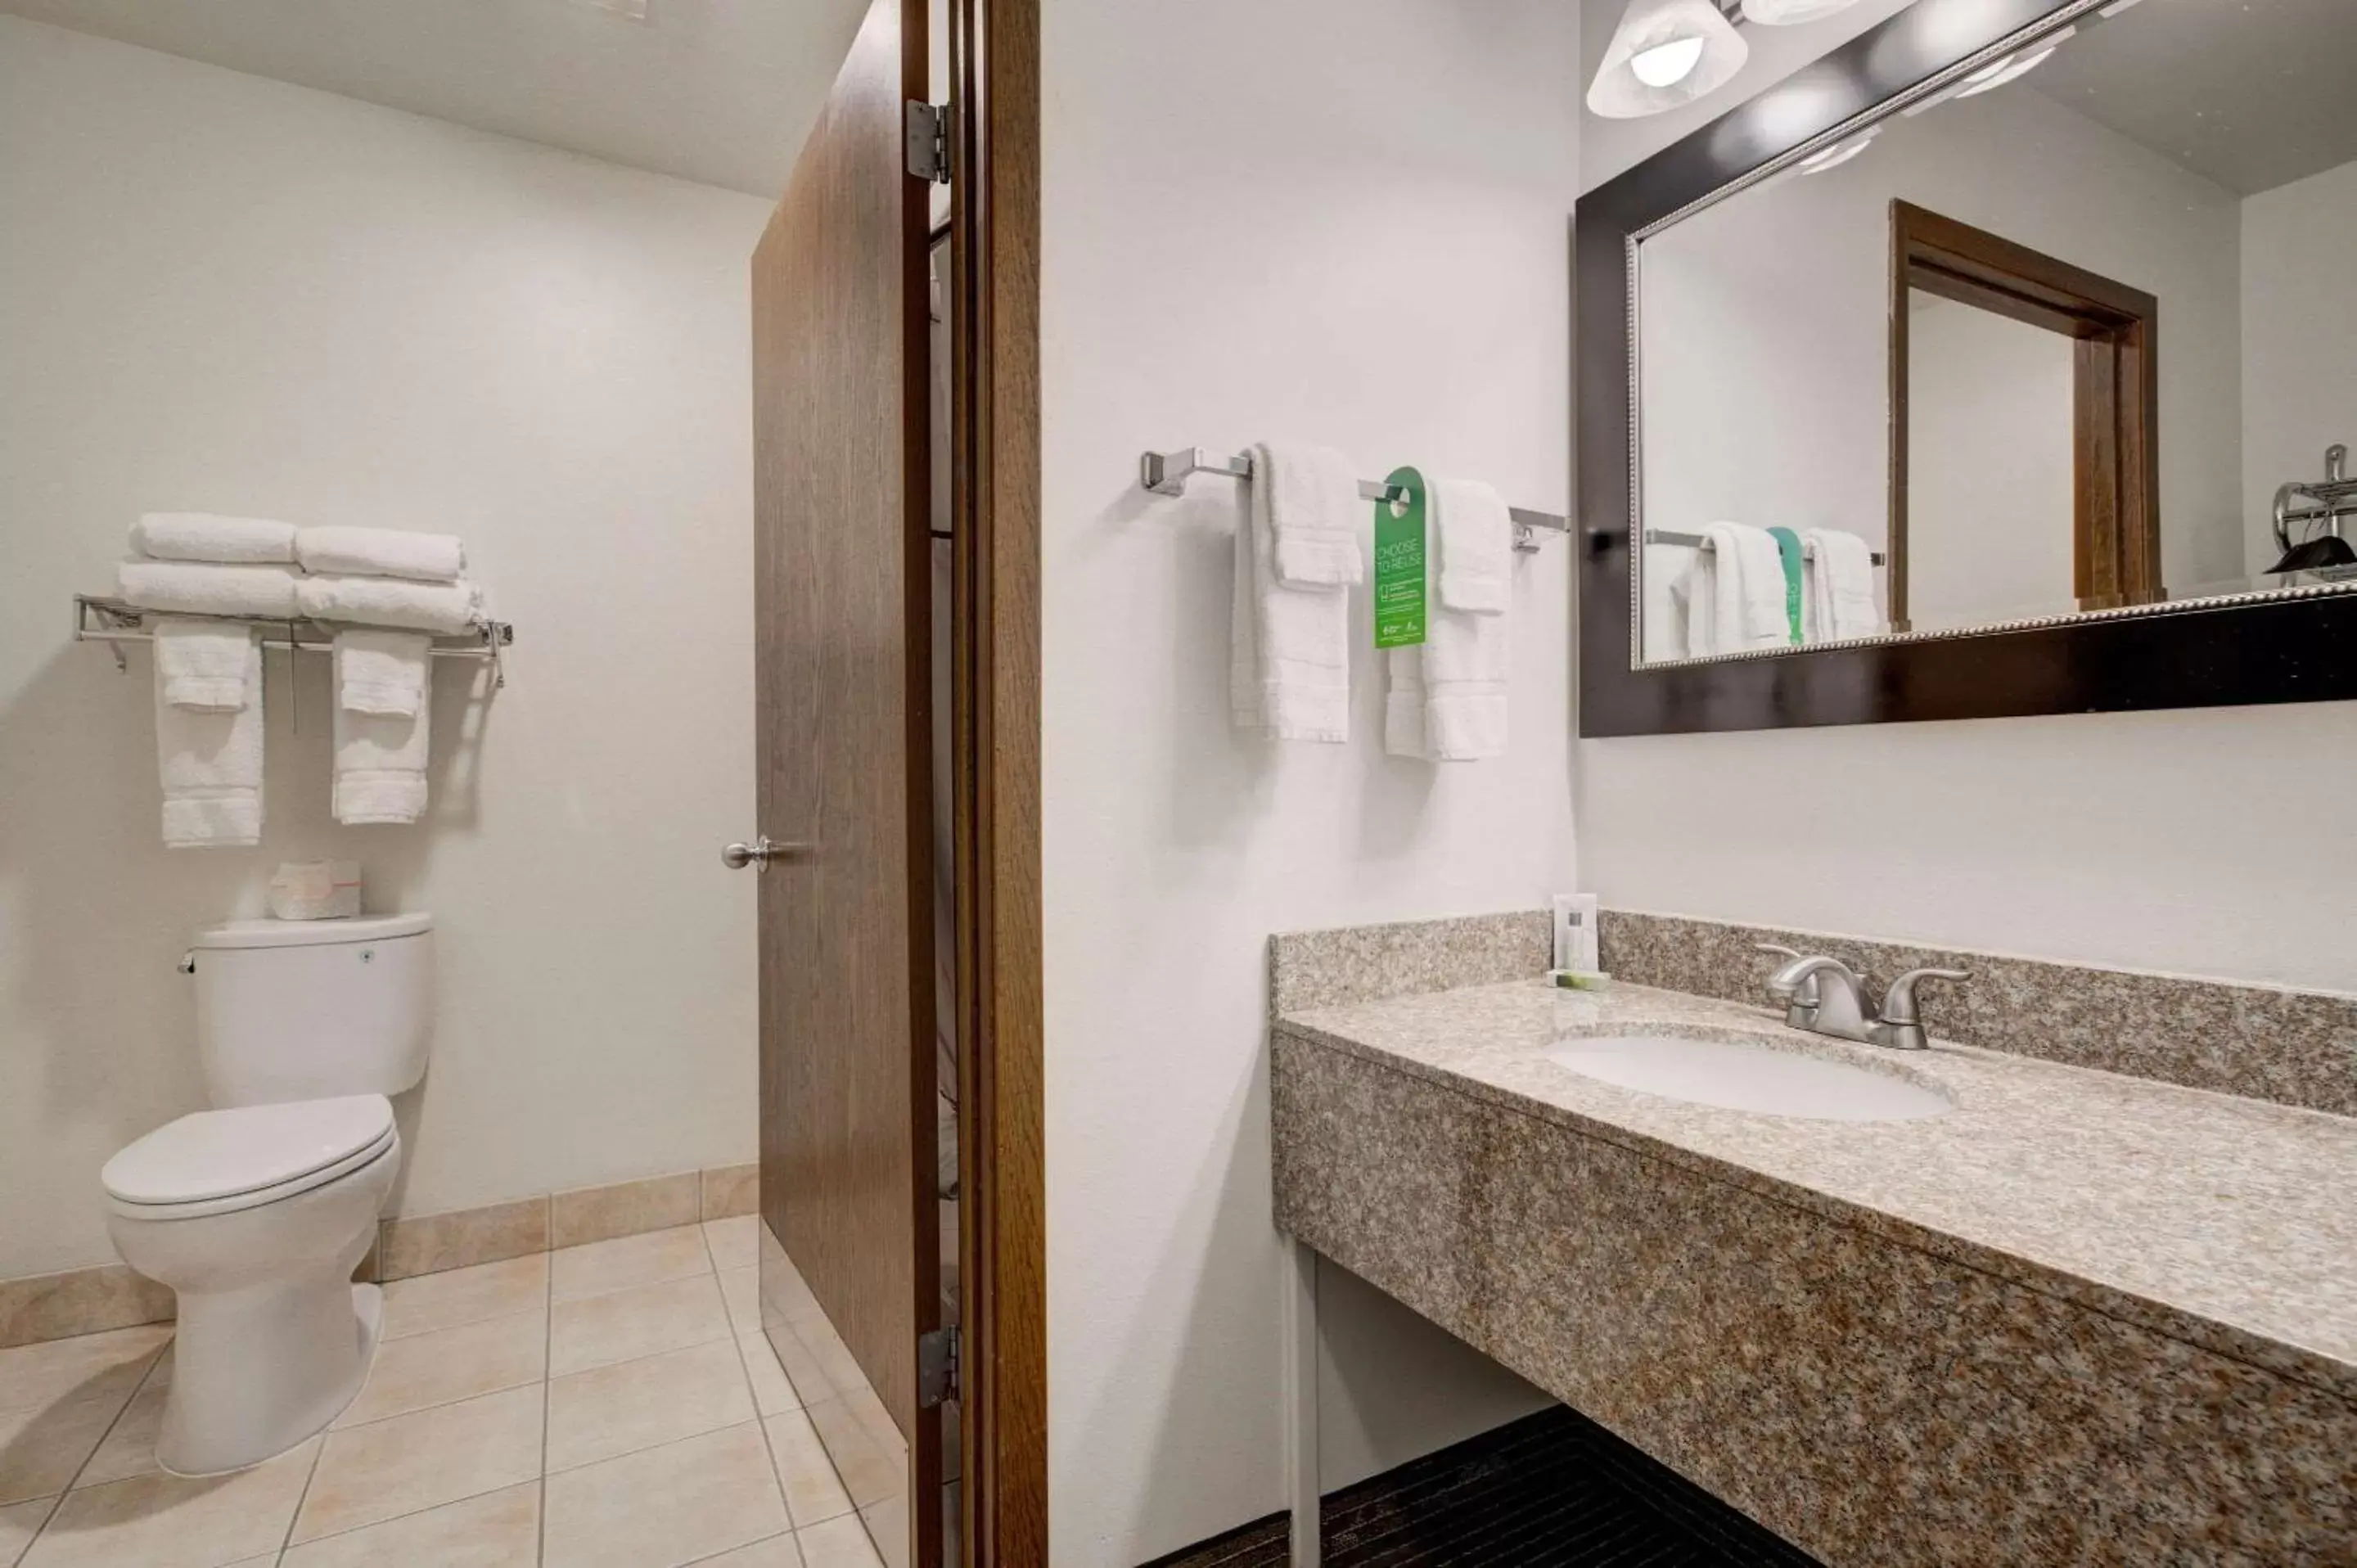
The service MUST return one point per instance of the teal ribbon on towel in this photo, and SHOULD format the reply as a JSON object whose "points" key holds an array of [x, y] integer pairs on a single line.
{"points": [[1788, 547]]}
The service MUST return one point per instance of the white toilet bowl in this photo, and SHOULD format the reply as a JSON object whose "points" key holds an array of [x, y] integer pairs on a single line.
{"points": [[255, 1217]]}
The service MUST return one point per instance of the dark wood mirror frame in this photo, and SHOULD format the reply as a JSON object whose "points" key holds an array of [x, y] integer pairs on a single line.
{"points": [[2298, 646]]}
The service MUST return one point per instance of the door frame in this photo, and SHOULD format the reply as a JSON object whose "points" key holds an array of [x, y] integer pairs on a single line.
{"points": [[994, 328]]}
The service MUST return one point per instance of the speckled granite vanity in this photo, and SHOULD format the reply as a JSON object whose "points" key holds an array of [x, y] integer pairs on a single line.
{"points": [[2083, 1318]]}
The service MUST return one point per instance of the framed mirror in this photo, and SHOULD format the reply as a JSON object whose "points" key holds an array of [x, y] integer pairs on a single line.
{"points": [[2003, 362]]}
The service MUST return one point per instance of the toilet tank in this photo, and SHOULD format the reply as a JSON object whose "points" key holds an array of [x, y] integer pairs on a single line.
{"points": [[313, 1009]]}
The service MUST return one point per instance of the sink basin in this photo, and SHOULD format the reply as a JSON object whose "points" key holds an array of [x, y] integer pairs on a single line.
{"points": [[1761, 1079]]}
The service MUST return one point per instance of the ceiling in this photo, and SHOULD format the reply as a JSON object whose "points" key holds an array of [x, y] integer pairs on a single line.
{"points": [[722, 91], [2251, 94]]}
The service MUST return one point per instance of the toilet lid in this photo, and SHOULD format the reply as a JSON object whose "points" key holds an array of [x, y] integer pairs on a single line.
{"points": [[247, 1149]]}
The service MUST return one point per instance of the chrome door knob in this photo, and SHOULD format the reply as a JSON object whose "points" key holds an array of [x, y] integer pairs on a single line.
{"points": [[760, 853]]}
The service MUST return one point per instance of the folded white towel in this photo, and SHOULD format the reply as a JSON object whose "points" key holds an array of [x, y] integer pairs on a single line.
{"points": [[202, 665], [380, 767], [380, 671], [382, 553], [1289, 648], [201, 536], [1447, 701], [1734, 593], [1475, 535], [1841, 587], [391, 601], [211, 764], [1313, 511], [203, 588]]}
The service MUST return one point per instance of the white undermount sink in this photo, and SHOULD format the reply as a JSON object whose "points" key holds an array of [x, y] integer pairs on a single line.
{"points": [[1761, 1079]]}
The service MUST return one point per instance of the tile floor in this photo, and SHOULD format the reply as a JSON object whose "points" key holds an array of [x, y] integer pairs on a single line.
{"points": [[614, 1405]]}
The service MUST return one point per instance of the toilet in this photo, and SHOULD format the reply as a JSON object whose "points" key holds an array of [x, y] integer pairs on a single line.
{"points": [[256, 1212]]}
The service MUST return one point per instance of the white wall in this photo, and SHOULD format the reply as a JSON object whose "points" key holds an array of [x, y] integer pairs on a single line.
{"points": [[2173, 840], [1345, 220], [2299, 339], [221, 293]]}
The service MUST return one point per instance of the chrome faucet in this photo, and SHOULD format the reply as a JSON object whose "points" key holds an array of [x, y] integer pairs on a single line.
{"points": [[1825, 997]]}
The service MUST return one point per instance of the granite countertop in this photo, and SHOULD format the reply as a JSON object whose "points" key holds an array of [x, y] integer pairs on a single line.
{"points": [[2227, 1223]]}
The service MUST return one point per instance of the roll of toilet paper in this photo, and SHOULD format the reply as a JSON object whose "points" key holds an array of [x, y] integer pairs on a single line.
{"points": [[316, 889]]}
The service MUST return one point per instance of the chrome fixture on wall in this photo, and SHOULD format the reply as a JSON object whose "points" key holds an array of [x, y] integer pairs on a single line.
{"points": [[1669, 52], [2331, 500], [1825, 997]]}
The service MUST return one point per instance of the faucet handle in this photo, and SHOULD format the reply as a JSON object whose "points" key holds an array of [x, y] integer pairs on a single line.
{"points": [[1899, 1002], [1779, 949]]}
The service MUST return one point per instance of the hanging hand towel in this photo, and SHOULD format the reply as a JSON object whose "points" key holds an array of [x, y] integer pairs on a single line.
{"points": [[1447, 701], [380, 671], [1733, 593], [380, 552], [211, 764], [201, 536], [391, 601], [1289, 647], [381, 763], [1313, 509], [1841, 587], [204, 665], [200, 588], [1475, 535]]}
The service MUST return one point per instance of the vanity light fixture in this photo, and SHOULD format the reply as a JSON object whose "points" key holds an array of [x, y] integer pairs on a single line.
{"points": [[1664, 53], [1840, 152], [2012, 67], [1791, 13]]}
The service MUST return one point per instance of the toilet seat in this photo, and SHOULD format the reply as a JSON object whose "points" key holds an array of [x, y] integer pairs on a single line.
{"points": [[219, 1162]]}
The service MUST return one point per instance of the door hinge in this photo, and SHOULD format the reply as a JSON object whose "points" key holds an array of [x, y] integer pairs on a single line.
{"points": [[937, 1367], [929, 142]]}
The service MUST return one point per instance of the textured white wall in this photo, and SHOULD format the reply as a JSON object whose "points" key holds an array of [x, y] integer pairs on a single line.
{"points": [[221, 293], [2299, 341], [1345, 220]]}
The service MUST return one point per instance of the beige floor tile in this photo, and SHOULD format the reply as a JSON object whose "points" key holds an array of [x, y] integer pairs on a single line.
{"points": [[42, 1446], [426, 1302], [778, 1551], [130, 1446], [813, 1491], [741, 1290], [627, 1324], [19, 1523], [603, 1266], [452, 1364], [772, 1389], [93, 1366], [793, 1353], [735, 1244], [499, 1530], [423, 1460], [168, 1521], [665, 1506], [872, 1467], [839, 1542], [619, 1408], [625, 1209], [730, 1191]]}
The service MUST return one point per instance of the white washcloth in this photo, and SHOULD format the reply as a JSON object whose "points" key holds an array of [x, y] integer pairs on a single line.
{"points": [[380, 671], [211, 764], [204, 665], [201, 536], [1447, 700], [1734, 593], [1841, 587], [391, 601], [203, 588], [379, 769], [382, 553], [1475, 536], [1312, 508], [1289, 647]]}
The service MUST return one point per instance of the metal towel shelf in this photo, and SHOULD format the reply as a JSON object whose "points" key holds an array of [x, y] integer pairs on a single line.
{"points": [[115, 623]]}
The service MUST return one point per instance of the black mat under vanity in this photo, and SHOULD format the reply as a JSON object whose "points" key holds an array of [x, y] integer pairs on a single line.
{"points": [[1553, 1488]]}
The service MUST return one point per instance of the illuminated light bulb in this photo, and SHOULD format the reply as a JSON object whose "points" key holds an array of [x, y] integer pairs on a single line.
{"points": [[1666, 65]]}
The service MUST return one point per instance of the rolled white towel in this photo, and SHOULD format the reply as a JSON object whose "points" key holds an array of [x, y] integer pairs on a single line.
{"points": [[391, 601], [380, 671], [382, 553], [201, 536], [204, 665], [203, 588]]}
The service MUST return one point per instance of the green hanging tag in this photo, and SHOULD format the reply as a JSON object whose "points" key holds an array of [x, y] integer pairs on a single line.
{"points": [[1400, 547], [1788, 550]]}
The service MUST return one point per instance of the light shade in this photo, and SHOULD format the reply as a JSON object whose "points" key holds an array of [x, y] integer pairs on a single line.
{"points": [[1791, 13], [1649, 26]]}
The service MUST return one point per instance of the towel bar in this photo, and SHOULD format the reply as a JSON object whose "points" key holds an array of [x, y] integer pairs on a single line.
{"points": [[1697, 542], [1166, 474], [115, 623]]}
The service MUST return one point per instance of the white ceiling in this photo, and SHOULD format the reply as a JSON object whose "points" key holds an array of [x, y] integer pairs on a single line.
{"points": [[717, 91], [2251, 94]]}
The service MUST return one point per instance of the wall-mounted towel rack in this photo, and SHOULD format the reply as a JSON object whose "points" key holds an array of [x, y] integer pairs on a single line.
{"points": [[1166, 474], [1698, 542], [115, 623]]}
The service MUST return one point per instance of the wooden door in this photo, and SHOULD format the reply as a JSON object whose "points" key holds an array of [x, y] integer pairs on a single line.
{"points": [[850, 1275]]}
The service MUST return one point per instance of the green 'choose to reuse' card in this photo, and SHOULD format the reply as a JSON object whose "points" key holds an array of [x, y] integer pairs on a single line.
{"points": [[1399, 544]]}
